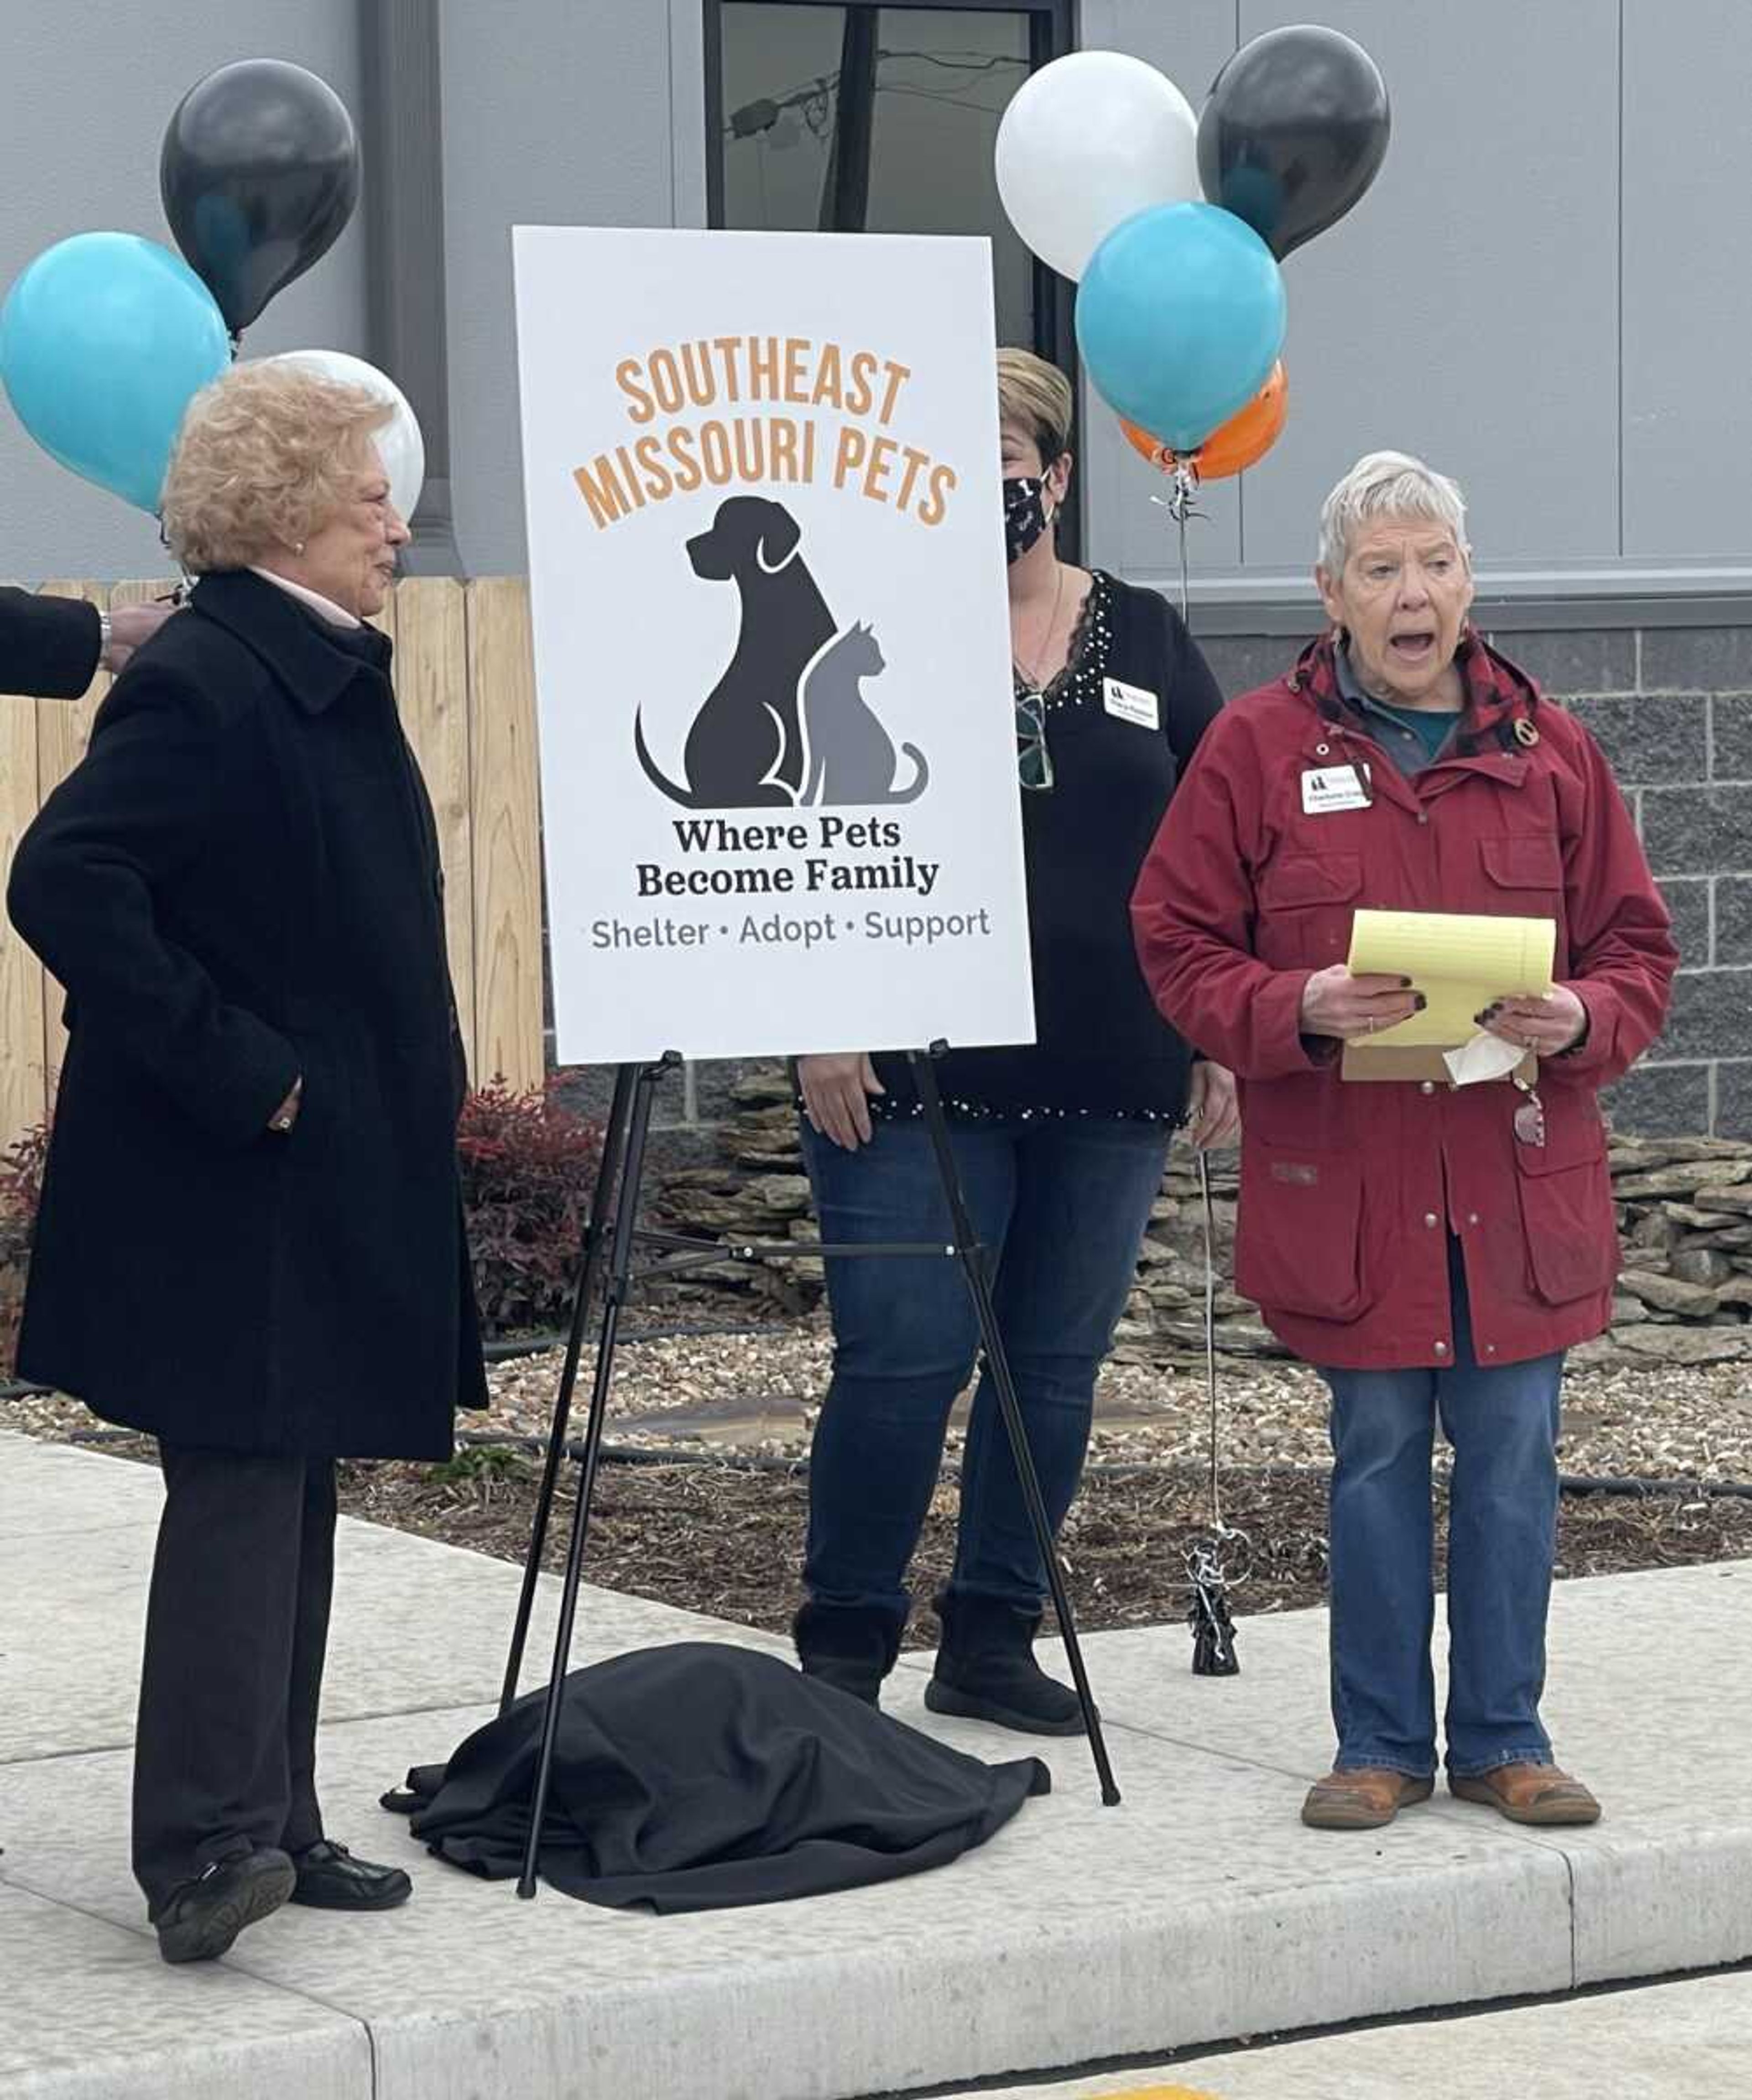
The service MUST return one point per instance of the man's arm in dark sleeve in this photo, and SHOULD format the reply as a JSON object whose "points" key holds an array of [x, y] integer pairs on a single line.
{"points": [[48, 646]]}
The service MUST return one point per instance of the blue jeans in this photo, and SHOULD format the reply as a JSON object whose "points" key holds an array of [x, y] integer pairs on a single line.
{"points": [[1503, 1423], [1059, 1207]]}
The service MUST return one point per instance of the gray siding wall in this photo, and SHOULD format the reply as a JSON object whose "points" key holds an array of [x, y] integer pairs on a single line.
{"points": [[1540, 293], [88, 90], [561, 112]]}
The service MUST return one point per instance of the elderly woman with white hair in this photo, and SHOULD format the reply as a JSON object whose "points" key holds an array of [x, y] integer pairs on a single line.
{"points": [[250, 1239], [1432, 1249]]}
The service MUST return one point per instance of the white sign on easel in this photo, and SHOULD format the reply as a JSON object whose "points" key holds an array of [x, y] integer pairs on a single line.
{"points": [[771, 642]]}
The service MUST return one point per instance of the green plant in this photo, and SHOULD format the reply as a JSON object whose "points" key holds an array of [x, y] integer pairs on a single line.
{"points": [[485, 1466]]}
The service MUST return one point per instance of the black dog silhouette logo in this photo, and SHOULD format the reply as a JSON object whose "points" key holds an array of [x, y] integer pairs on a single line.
{"points": [[787, 726]]}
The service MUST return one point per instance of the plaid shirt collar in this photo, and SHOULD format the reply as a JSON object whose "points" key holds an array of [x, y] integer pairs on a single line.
{"points": [[1500, 697]]}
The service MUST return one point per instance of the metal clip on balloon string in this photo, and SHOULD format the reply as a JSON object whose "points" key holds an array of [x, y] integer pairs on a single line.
{"points": [[1180, 507], [1208, 1613]]}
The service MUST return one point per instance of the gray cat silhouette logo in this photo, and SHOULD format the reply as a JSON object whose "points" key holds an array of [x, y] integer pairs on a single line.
{"points": [[787, 726], [848, 756]]}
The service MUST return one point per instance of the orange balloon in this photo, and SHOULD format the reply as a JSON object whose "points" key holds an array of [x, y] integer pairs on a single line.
{"points": [[1243, 440]]}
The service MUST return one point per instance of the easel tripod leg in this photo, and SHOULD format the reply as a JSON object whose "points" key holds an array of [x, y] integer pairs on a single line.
{"points": [[590, 1268], [972, 1257], [620, 1266]]}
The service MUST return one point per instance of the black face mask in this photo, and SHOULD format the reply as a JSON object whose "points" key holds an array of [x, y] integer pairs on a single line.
{"points": [[1025, 517]]}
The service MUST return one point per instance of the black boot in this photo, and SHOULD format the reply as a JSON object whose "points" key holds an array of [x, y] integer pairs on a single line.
{"points": [[987, 1671], [847, 1646]]}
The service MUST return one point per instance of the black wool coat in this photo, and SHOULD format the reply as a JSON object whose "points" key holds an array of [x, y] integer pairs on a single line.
{"points": [[48, 646], [774, 1785], [240, 887]]}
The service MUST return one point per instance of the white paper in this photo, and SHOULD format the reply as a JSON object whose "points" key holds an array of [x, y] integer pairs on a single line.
{"points": [[1486, 1057]]}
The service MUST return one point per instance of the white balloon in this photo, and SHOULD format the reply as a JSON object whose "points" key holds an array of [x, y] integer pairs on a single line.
{"points": [[1085, 143], [399, 445]]}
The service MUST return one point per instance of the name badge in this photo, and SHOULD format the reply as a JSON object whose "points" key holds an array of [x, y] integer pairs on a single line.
{"points": [[1131, 703], [1334, 787]]}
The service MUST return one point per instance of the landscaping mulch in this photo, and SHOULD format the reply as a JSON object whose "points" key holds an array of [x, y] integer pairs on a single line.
{"points": [[712, 1518], [727, 1540]]}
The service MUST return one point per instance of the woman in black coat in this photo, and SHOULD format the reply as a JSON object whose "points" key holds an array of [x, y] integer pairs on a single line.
{"points": [[250, 1241]]}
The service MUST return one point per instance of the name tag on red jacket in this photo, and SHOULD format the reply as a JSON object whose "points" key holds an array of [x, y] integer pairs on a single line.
{"points": [[1334, 787]]}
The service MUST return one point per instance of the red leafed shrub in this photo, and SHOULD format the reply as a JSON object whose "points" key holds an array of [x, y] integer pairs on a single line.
{"points": [[528, 1167], [20, 1186]]}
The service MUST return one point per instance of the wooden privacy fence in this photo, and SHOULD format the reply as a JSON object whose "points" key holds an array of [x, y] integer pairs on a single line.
{"points": [[467, 695]]}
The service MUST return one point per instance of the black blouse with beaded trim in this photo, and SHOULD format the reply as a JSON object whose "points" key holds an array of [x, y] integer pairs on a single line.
{"points": [[1101, 1047]]}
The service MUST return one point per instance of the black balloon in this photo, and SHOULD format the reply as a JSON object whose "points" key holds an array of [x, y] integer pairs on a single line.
{"points": [[1293, 132], [259, 173]]}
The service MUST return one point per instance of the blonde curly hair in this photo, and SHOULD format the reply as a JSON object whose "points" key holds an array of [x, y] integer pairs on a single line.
{"points": [[263, 458]]}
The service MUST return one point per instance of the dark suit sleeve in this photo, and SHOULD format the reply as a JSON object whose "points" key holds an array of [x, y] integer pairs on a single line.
{"points": [[136, 810], [48, 646]]}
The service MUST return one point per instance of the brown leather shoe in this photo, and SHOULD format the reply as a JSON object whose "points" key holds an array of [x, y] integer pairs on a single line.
{"points": [[1364, 1799], [1529, 1794]]}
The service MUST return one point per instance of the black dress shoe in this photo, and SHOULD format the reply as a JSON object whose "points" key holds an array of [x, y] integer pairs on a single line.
{"points": [[330, 1879], [201, 1918]]}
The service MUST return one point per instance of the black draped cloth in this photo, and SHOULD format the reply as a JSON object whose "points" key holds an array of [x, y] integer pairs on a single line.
{"points": [[701, 1777]]}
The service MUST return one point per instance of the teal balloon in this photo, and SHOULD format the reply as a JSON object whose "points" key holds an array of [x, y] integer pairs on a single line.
{"points": [[103, 341], [1180, 317]]}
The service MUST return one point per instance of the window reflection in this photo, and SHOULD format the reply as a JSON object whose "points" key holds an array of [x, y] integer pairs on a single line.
{"points": [[878, 120]]}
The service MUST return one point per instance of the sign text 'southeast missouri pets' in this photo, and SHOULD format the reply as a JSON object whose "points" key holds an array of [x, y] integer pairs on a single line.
{"points": [[771, 646]]}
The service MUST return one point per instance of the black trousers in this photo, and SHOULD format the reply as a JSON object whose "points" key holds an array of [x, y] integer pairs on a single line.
{"points": [[225, 1755]]}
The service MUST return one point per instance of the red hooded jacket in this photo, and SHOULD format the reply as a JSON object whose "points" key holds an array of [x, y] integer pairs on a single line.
{"points": [[1349, 1190]]}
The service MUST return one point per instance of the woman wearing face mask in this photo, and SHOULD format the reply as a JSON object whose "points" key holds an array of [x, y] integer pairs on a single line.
{"points": [[1061, 1143]]}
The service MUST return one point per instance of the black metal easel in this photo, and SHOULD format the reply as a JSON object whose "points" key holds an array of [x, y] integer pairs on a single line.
{"points": [[610, 1235]]}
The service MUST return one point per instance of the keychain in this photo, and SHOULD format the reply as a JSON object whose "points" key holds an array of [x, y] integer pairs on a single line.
{"points": [[1208, 1613], [1529, 1114]]}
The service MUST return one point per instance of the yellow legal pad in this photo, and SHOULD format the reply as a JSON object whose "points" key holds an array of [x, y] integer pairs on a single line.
{"points": [[1459, 962]]}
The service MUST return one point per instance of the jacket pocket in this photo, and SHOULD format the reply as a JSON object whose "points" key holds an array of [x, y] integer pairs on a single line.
{"points": [[1527, 862], [1299, 1237], [1307, 901], [1565, 1197]]}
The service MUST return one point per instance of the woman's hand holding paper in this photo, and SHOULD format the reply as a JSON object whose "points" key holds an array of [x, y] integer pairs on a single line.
{"points": [[1547, 1026], [1335, 1003]]}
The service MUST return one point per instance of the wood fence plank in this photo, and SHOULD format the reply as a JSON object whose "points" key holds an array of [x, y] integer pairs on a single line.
{"points": [[24, 1098], [508, 953], [432, 686], [64, 731]]}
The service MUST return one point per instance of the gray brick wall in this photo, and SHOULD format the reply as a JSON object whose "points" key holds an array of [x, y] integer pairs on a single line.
{"points": [[1672, 708]]}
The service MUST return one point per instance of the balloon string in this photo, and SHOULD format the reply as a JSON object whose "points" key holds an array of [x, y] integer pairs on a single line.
{"points": [[1180, 508]]}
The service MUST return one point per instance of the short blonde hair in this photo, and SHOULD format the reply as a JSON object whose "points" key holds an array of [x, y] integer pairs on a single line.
{"points": [[1388, 485], [261, 461], [1038, 396]]}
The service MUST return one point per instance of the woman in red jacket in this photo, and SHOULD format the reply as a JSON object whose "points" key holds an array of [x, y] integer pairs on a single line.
{"points": [[1433, 1250]]}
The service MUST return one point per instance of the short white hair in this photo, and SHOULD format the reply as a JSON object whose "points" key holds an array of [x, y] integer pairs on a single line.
{"points": [[1386, 485]]}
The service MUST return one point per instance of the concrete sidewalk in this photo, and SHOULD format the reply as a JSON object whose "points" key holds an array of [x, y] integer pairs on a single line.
{"points": [[1198, 1911], [1690, 2041]]}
